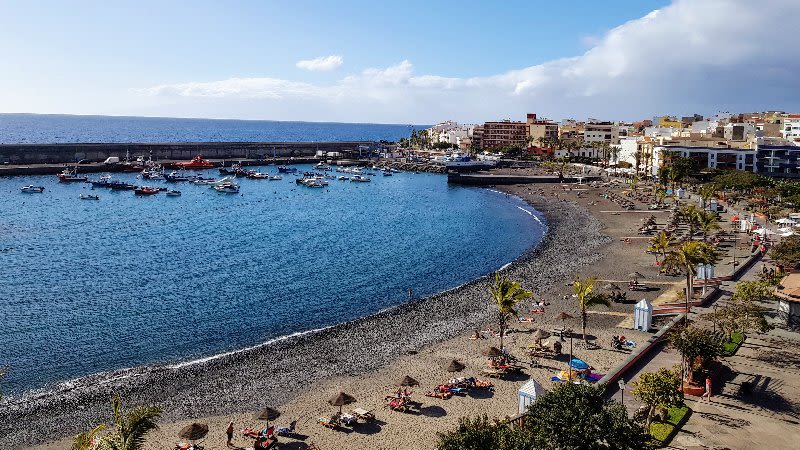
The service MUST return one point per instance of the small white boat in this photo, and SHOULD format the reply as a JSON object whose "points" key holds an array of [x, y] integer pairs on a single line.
{"points": [[229, 188], [31, 189], [89, 197], [275, 177], [342, 178], [360, 179], [173, 193]]}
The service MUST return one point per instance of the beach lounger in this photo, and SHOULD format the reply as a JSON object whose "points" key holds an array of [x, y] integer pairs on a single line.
{"points": [[348, 419], [441, 395], [329, 422], [364, 415], [494, 373]]}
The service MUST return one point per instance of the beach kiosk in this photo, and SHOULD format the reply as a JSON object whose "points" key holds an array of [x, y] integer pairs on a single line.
{"points": [[528, 394], [643, 315], [788, 293]]}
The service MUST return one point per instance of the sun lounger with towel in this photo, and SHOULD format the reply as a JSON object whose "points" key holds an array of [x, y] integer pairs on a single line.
{"points": [[364, 415]]}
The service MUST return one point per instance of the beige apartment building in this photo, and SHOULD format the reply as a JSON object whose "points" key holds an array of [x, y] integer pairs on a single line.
{"points": [[504, 134]]}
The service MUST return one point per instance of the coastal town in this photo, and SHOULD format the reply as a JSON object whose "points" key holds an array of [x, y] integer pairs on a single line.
{"points": [[663, 289], [263, 225]]}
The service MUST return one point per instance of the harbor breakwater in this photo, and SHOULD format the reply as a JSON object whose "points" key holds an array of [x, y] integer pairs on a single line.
{"points": [[20, 154]]}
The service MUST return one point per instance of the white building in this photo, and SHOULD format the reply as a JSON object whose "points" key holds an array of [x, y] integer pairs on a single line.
{"points": [[601, 132], [791, 128]]}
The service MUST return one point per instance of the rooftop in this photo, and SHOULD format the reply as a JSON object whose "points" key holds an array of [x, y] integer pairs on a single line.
{"points": [[789, 289]]}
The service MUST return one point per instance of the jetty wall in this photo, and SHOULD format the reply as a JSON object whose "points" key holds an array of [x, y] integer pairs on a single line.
{"points": [[72, 153], [486, 179]]}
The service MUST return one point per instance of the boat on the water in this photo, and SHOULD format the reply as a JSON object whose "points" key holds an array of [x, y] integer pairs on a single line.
{"points": [[360, 179], [204, 181], [227, 188], [197, 163], [257, 176], [174, 176], [89, 197], [387, 172], [173, 193], [287, 169], [120, 186], [342, 178], [146, 190], [31, 189], [71, 176], [275, 177]]}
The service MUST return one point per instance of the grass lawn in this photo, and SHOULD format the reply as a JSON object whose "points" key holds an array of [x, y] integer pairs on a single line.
{"points": [[664, 432], [733, 344]]}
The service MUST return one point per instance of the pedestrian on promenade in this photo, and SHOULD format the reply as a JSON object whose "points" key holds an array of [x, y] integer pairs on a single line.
{"points": [[229, 432], [707, 393]]}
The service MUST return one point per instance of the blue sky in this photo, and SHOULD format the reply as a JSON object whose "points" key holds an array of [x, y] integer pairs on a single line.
{"points": [[413, 61]]}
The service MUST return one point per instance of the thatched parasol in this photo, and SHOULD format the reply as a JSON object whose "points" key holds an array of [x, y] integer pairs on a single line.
{"points": [[540, 334], [408, 381], [635, 275], [341, 399], [492, 352], [564, 316], [455, 366], [268, 414], [194, 431]]}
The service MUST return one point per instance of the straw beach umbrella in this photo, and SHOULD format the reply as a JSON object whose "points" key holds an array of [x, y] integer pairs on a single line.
{"points": [[455, 366], [194, 431], [408, 381], [341, 399], [492, 352], [268, 414]]}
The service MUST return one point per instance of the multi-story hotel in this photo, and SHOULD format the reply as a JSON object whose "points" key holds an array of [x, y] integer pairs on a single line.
{"points": [[503, 134], [541, 130]]}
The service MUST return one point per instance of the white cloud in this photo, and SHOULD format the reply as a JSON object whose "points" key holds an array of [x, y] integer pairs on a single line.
{"points": [[691, 56], [321, 64]]}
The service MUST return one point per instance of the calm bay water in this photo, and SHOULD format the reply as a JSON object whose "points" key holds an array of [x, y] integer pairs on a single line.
{"points": [[88, 286], [45, 129]]}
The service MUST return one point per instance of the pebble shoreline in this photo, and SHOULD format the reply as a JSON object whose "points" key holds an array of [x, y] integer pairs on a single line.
{"points": [[273, 374]]}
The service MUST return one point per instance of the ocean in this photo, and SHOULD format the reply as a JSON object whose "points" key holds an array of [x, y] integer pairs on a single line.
{"points": [[91, 286], [51, 129]]}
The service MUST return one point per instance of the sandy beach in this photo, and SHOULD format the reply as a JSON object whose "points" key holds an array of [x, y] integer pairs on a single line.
{"points": [[366, 358]]}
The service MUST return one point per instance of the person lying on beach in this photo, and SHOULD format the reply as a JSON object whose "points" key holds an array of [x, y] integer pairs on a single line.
{"points": [[476, 336]]}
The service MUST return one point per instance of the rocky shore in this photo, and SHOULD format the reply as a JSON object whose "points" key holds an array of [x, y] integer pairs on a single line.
{"points": [[278, 372]]}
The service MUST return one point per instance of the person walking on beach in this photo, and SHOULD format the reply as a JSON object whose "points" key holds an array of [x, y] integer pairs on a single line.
{"points": [[707, 393], [229, 432]]}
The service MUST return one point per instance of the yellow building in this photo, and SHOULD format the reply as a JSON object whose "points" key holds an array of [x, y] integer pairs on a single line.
{"points": [[669, 122]]}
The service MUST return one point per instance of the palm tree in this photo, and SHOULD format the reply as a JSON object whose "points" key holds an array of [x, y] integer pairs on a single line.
{"points": [[707, 222], [131, 428], [688, 256], [88, 439], [690, 215], [706, 193], [506, 294], [587, 298], [660, 243]]}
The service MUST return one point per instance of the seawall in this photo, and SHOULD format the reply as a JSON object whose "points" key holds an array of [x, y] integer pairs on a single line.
{"points": [[18, 154]]}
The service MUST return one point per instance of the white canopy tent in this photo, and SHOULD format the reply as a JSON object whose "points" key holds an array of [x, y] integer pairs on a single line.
{"points": [[528, 394]]}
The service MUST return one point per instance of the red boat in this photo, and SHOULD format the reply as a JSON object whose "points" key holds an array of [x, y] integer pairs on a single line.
{"points": [[146, 190], [197, 163], [71, 176]]}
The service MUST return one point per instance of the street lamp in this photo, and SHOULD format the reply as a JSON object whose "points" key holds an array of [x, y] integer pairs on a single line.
{"points": [[570, 356]]}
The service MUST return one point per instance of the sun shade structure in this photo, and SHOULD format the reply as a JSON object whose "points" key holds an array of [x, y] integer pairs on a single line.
{"points": [[408, 381], [341, 399], [540, 334], [564, 316], [492, 352], [528, 394], [268, 414], [455, 366], [194, 431], [578, 364], [635, 275]]}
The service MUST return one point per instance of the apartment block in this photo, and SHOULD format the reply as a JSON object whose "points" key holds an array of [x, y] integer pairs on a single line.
{"points": [[541, 130], [503, 134]]}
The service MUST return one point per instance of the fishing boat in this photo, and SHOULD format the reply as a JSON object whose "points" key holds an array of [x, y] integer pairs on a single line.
{"points": [[275, 177], [200, 181], [121, 186], [197, 163], [228, 188], [31, 189], [173, 193], [387, 173], [174, 176], [257, 176], [154, 173], [360, 179], [287, 169], [146, 190], [321, 166], [342, 178], [71, 176], [221, 181], [89, 197]]}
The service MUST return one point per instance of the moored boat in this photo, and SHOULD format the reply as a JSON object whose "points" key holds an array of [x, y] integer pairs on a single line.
{"points": [[286, 169], [173, 193], [228, 188], [197, 163], [31, 189], [146, 190], [70, 176], [175, 177], [360, 179], [275, 177], [89, 197]]}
